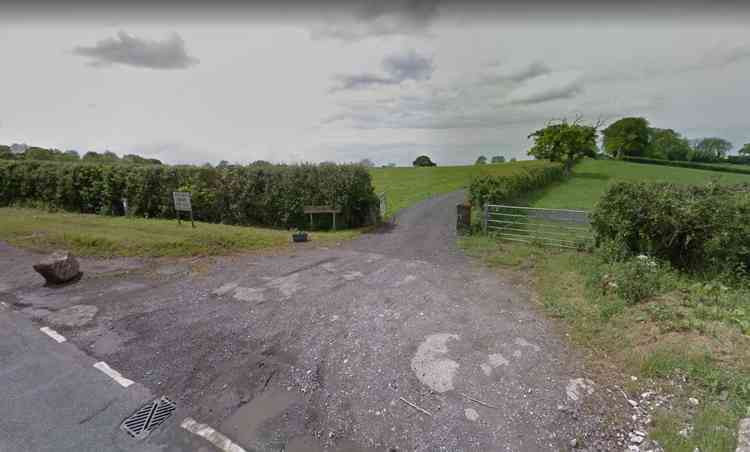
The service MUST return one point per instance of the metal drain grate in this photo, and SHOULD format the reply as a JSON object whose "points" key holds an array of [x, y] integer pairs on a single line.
{"points": [[148, 417]]}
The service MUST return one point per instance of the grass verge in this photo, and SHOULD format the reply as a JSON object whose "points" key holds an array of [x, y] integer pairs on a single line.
{"points": [[103, 236], [689, 338]]}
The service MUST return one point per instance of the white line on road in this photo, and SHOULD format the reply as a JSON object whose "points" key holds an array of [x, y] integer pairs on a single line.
{"points": [[214, 437], [115, 375], [53, 334]]}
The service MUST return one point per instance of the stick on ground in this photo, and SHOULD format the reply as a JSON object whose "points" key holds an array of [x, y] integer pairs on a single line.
{"points": [[479, 401], [415, 407]]}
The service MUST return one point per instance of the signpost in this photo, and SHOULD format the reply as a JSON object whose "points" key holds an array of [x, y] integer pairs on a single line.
{"points": [[182, 203], [321, 209]]}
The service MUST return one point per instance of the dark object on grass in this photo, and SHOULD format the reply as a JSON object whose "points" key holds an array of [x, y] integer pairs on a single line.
{"points": [[300, 236], [58, 268], [463, 217]]}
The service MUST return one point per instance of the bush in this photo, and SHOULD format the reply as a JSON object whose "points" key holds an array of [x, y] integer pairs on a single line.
{"points": [[502, 189], [739, 159], [702, 229], [695, 165], [270, 195]]}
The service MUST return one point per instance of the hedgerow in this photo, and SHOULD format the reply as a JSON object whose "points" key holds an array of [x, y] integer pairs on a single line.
{"points": [[734, 167], [271, 195], [702, 229], [506, 188]]}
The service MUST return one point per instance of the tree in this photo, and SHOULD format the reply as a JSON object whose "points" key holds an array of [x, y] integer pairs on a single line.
{"points": [[481, 160], [626, 137], [710, 149], [367, 163], [498, 159], [513, 159], [745, 150], [6, 153], [423, 160], [565, 142], [667, 144]]}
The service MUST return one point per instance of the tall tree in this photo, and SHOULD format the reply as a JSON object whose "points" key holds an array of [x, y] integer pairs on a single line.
{"points": [[711, 149], [367, 163], [481, 160], [626, 137], [745, 150], [667, 144], [565, 142]]}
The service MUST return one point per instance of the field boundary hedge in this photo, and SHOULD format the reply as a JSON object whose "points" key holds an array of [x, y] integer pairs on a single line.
{"points": [[701, 228], [734, 168], [507, 188], [266, 195]]}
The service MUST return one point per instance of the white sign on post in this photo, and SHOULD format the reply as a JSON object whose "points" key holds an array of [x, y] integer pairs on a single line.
{"points": [[182, 203]]}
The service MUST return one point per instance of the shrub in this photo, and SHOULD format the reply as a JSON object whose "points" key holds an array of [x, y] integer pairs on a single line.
{"points": [[271, 195], [698, 228], [502, 189]]}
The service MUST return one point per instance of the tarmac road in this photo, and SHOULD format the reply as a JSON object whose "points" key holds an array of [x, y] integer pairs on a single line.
{"points": [[394, 341]]}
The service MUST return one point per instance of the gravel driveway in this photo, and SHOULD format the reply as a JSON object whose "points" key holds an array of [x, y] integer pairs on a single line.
{"points": [[394, 341]]}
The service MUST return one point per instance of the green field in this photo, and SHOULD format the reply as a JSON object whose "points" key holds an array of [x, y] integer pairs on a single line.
{"points": [[590, 179], [98, 235], [406, 186]]}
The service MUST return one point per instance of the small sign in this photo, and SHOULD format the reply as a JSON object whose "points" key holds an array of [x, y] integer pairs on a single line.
{"points": [[182, 201], [320, 209]]}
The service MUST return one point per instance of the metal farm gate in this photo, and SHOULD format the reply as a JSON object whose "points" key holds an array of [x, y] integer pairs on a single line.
{"points": [[557, 227]]}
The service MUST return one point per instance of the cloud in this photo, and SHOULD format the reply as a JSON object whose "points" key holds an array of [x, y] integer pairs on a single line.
{"points": [[372, 19], [500, 73], [398, 67], [131, 50], [545, 88]]}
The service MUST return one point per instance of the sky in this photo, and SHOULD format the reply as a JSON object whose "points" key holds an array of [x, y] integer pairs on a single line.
{"points": [[341, 82]]}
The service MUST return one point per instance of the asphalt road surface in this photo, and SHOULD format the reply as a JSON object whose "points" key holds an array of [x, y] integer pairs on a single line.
{"points": [[394, 341]]}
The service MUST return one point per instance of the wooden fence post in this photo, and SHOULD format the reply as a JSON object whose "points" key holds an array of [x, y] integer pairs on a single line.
{"points": [[485, 217]]}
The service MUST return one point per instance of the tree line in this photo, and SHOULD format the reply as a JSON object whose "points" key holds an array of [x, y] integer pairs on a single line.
{"points": [[569, 141], [38, 153]]}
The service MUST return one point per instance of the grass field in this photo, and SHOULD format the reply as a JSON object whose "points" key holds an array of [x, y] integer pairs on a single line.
{"points": [[96, 235], [590, 179], [406, 186]]}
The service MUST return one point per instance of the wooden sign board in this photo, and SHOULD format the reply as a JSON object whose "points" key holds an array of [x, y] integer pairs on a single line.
{"points": [[320, 209], [182, 201]]}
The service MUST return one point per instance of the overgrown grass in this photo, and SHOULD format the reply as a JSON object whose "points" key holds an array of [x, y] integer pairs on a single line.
{"points": [[591, 178], [97, 235], [686, 335], [407, 186]]}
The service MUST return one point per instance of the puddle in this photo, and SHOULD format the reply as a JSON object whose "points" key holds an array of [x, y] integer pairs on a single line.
{"points": [[245, 424]]}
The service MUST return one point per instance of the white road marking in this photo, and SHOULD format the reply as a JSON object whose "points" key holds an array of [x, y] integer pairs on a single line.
{"points": [[53, 334], [113, 374], [213, 436]]}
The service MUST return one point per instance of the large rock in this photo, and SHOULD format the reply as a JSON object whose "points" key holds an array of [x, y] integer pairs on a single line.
{"points": [[59, 267]]}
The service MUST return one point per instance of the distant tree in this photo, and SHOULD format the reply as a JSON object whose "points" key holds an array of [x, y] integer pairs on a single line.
{"points": [[367, 163], [565, 142], [423, 160], [207, 165], [512, 159], [710, 149], [667, 144], [222, 164], [37, 153], [626, 137], [391, 165], [110, 157], [91, 156], [481, 160], [745, 150], [261, 163], [498, 159]]}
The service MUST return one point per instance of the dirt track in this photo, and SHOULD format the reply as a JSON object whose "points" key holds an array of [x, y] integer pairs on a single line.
{"points": [[318, 349]]}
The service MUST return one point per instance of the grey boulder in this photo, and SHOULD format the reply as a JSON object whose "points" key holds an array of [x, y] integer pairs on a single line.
{"points": [[59, 267]]}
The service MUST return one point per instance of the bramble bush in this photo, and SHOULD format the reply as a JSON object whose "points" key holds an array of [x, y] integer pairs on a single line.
{"points": [[270, 195], [702, 229], [506, 188]]}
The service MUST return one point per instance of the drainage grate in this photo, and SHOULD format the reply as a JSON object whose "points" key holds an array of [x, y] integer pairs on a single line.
{"points": [[148, 417]]}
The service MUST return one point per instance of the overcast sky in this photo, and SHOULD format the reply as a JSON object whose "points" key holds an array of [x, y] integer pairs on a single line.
{"points": [[386, 81]]}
